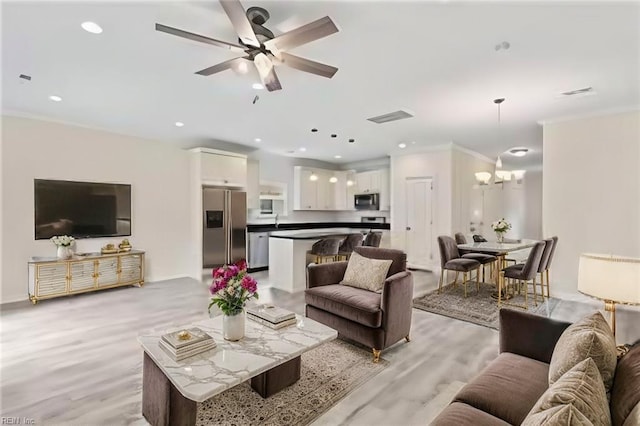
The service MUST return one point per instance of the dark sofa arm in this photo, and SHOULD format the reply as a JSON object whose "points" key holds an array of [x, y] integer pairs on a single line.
{"points": [[325, 273], [397, 303], [529, 335]]}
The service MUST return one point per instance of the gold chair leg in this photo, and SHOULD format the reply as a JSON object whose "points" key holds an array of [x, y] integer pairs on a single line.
{"points": [[441, 279], [376, 355], [455, 280], [547, 271], [535, 291], [407, 338], [526, 299], [500, 280], [478, 279], [464, 283]]}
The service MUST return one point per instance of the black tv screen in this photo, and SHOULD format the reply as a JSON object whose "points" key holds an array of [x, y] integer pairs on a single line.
{"points": [[81, 209]]}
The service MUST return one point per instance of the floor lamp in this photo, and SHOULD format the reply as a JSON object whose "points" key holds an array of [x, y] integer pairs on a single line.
{"points": [[613, 279]]}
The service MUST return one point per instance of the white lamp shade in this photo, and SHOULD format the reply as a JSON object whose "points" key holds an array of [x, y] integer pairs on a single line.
{"points": [[503, 175], [608, 277], [518, 174], [483, 177]]}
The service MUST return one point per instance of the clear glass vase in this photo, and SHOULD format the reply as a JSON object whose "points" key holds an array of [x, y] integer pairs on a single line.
{"points": [[233, 326], [64, 252], [500, 236]]}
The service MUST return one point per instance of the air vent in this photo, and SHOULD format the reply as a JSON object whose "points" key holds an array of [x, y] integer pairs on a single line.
{"points": [[392, 116], [583, 91]]}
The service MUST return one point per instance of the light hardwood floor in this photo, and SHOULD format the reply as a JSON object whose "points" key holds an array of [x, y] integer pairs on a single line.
{"points": [[76, 360]]}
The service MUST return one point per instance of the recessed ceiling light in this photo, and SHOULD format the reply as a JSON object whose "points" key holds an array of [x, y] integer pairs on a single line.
{"points": [[258, 140], [337, 156], [179, 124], [402, 145], [242, 68], [55, 98], [257, 86], [91, 27], [303, 149], [519, 152]]}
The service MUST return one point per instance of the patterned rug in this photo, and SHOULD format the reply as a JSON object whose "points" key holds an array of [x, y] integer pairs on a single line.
{"points": [[479, 308], [328, 374]]}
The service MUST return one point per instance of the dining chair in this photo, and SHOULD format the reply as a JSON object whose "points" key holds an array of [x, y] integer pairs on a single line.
{"points": [[372, 239], [450, 260], [479, 239], [483, 258], [548, 265], [524, 274], [544, 263]]}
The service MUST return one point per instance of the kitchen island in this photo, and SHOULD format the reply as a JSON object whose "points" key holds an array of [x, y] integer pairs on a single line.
{"points": [[288, 253]]}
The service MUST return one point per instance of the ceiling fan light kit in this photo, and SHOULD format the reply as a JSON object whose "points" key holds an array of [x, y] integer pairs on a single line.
{"points": [[261, 46]]}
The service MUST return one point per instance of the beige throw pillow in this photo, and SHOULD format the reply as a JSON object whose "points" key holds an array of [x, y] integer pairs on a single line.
{"points": [[580, 395], [365, 273], [591, 337]]}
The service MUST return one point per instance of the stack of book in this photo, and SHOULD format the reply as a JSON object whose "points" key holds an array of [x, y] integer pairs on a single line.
{"points": [[185, 343], [271, 316]]}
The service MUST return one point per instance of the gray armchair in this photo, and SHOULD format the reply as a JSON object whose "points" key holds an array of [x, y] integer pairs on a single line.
{"points": [[376, 320]]}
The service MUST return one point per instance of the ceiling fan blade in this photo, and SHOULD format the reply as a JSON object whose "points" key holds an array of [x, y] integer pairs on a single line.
{"points": [[267, 72], [223, 66], [308, 65], [240, 22], [302, 35], [200, 38]]}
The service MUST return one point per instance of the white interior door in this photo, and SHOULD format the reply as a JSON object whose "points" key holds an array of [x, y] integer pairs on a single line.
{"points": [[419, 236]]}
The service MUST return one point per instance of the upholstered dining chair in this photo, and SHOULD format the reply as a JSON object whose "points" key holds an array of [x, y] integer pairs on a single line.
{"points": [[348, 245], [548, 265], [483, 258], [522, 275], [544, 263], [323, 251], [479, 239], [450, 260], [372, 239]]}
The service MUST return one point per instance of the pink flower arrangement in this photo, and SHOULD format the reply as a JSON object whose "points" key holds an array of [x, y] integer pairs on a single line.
{"points": [[232, 287]]}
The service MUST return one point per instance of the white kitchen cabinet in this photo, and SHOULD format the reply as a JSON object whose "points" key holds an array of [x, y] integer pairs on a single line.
{"points": [[368, 182], [253, 185], [385, 191], [305, 191], [221, 168], [320, 193]]}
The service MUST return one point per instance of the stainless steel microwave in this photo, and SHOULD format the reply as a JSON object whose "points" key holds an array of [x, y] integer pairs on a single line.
{"points": [[367, 201]]}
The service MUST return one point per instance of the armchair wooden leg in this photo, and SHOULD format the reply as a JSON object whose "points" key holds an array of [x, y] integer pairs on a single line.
{"points": [[376, 355], [407, 338]]}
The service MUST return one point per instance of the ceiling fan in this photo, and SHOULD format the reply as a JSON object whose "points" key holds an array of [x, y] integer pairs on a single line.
{"points": [[261, 46]]}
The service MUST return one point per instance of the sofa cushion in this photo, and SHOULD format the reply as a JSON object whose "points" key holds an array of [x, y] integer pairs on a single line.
{"points": [[365, 273], [591, 337], [458, 413], [625, 393], [634, 417], [352, 303], [580, 387], [507, 388]]}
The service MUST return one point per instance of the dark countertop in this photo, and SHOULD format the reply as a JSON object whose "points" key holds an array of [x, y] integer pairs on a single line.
{"points": [[269, 227], [317, 234]]}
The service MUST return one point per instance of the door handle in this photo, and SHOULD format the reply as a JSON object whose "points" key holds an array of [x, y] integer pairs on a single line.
{"points": [[408, 228]]}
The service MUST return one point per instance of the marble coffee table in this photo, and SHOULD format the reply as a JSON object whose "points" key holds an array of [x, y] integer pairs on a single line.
{"points": [[270, 358]]}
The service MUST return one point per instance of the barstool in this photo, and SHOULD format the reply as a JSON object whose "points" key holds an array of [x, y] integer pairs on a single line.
{"points": [[324, 251], [348, 244]]}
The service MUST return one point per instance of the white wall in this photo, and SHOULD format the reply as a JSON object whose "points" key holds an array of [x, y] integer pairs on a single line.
{"points": [[533, 201], [591, 191], [436, 165], [159, 178]]}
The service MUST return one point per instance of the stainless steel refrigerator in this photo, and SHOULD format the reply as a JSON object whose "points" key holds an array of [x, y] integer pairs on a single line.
{"points": [[224, 231]]}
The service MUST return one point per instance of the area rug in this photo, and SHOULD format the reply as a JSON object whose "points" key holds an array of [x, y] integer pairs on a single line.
{"points": [[480, 308], [328, 374]]}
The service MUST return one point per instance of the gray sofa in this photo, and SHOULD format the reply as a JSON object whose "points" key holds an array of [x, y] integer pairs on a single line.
{"points": [[504, 393], [376, 320]]}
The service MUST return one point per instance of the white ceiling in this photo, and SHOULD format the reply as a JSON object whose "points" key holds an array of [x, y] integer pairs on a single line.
{"points": [[436, 59]]}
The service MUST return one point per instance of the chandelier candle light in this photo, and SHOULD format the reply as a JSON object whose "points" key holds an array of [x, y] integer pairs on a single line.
{"points": [[231, 288], [500, 228], [63, 242]]}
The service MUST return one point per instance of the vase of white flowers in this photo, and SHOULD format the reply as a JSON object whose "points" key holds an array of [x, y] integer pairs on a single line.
{"points": [[500, 228], [63, 242]]}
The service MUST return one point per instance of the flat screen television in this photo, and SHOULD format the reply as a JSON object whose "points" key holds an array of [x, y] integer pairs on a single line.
{"points": [[81, 209]]}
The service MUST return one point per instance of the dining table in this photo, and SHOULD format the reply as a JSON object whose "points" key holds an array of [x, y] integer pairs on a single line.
{"points": [[499, 250]]}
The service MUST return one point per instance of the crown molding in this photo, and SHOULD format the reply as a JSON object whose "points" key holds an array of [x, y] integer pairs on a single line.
{"points": [[473, 153]]}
